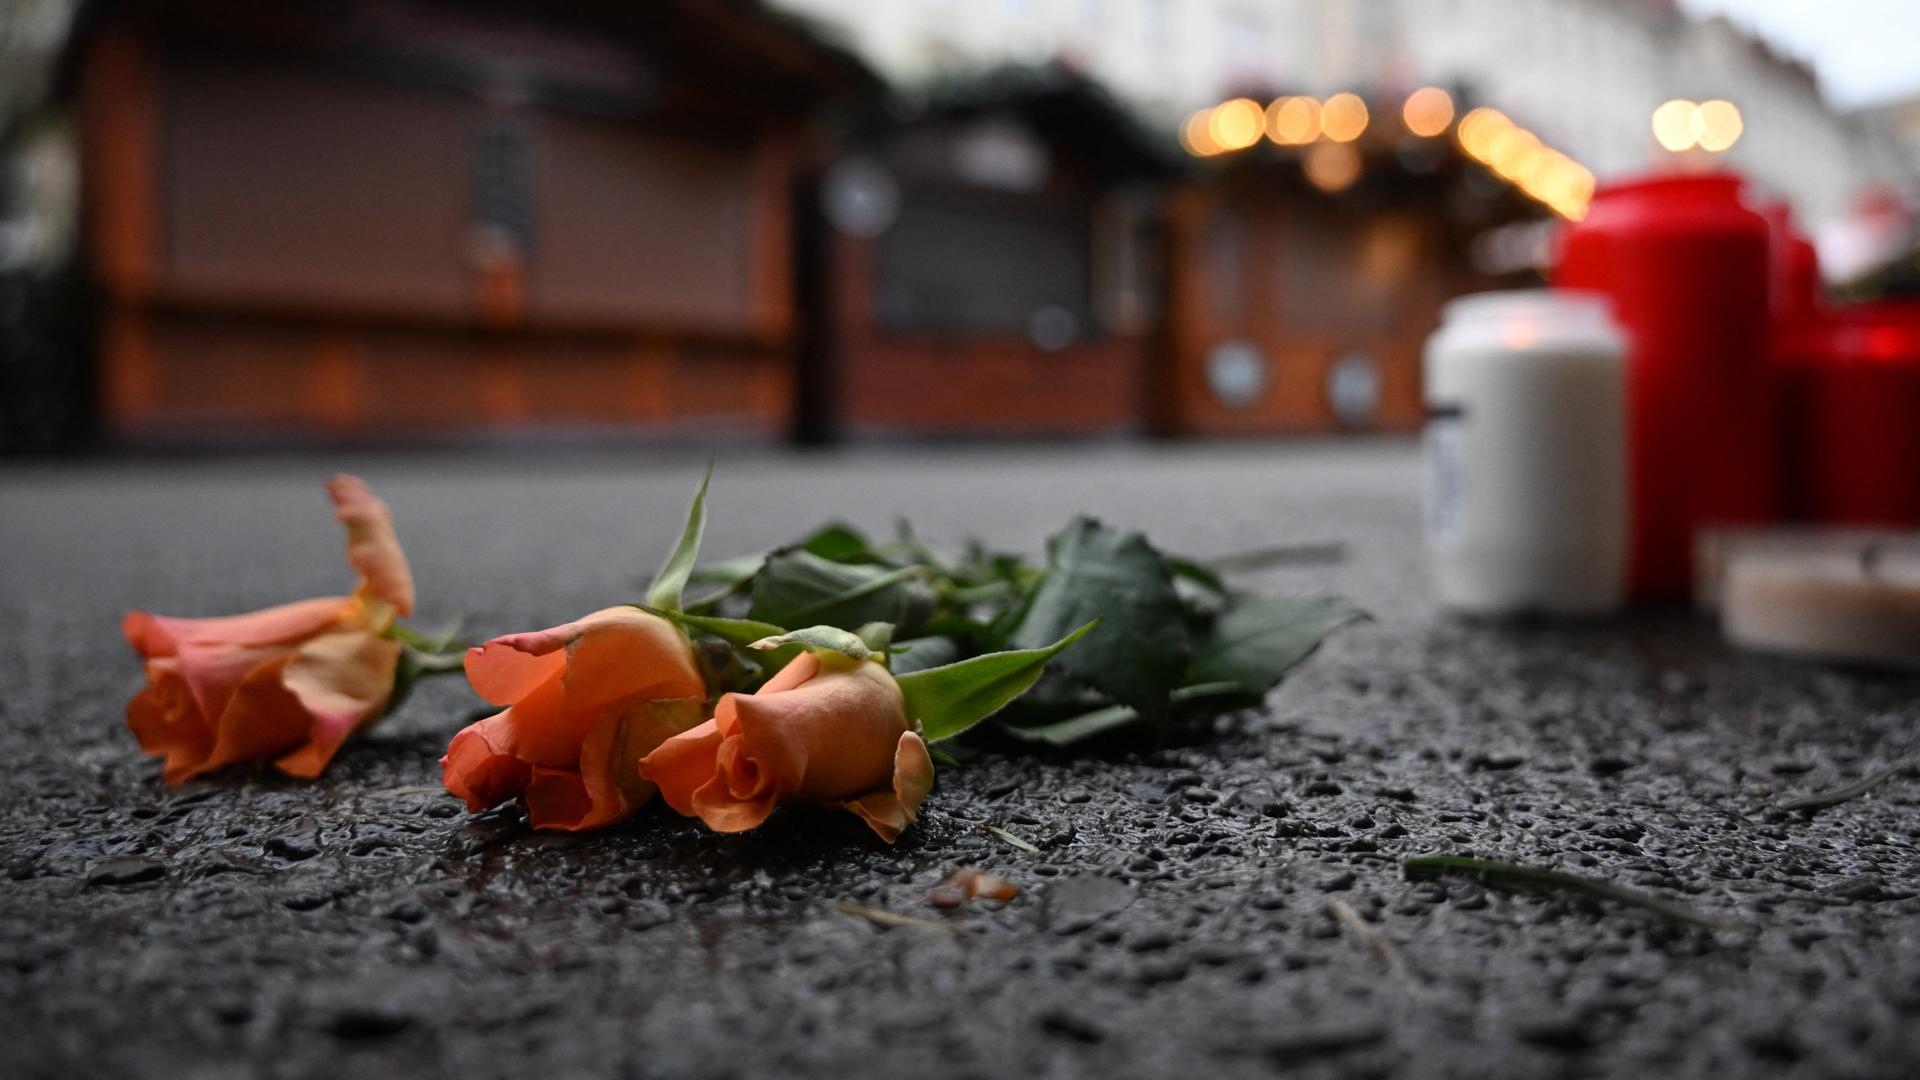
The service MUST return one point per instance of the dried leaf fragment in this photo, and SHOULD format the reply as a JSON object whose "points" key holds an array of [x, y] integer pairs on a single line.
{"points": [[970, 883]]}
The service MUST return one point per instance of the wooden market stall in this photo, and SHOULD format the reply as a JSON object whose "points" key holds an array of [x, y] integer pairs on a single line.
{"points": [[985, 265], [402, 216], [1303, 280]]}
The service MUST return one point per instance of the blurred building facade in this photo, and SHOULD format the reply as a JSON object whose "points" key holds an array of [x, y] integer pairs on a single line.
{"points": [[397, 218], [988, 255], [1584, 74], [374, 218]]}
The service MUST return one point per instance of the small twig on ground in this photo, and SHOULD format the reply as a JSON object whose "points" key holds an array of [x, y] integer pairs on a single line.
{"points": [[1822, 800], [1321, 551], [1376, 942], [1495, 872], [893, 919], [1003, 835], [1320, 1039]]}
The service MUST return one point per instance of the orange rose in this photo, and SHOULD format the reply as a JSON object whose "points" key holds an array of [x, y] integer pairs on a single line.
{"points": [[289, 683], [830, 730], [583, 702]]}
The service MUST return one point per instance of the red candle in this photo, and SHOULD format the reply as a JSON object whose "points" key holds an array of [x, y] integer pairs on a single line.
{"points": [[1851, 398], [1684, 262], [1796, 293]]}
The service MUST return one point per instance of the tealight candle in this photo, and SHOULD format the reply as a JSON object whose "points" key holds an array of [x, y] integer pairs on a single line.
{"points": [[1859, 607], [1715, 548]]}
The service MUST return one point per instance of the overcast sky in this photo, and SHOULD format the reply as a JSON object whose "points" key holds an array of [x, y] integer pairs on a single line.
{"points": [[1866, 51]]}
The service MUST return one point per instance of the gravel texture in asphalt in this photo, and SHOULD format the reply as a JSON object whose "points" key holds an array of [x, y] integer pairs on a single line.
{"points": [[1222, 902]]}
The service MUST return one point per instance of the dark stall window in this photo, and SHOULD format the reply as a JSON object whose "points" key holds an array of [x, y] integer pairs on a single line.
{"points": [[503, 180], [969, 262]]}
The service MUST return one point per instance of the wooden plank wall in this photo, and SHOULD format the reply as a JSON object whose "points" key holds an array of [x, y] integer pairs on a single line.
{"points": [[287, 251]]}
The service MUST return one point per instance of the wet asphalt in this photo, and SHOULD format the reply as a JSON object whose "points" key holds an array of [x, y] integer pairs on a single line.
{"points": [[1220, 901]]}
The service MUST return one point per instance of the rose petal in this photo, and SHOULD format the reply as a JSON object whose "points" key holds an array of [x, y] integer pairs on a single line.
{"points": [[610, 757], [586, 701], [682, 764], [262, 719], [540, 730], [214, 672], [372, 547], [167, 720], [502, 673], [798, 670], [609, 654], [211, 656], [830, 738], [816, 731], [478, 772], [721, 811], [890, 811], [624, 652], [557, 799], [344, 681], [162, 635]]}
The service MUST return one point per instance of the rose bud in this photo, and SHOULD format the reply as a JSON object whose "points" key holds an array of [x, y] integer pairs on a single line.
{"points": [[824, 729], [584, 702], [289, 683]]}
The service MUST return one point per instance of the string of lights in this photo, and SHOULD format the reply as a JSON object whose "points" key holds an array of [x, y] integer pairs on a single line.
{"points": [[1328, 129]]}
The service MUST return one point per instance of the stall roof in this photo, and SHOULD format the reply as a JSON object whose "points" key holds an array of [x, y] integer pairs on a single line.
{"points": [[743, 55], [1062, 105]]}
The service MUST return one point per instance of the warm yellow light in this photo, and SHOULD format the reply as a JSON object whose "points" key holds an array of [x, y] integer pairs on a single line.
{"points": [[1428, 111], [1510, 149], [1520, 335], [1673, 125], [1556, 180], [1572, 192], [1477, 131], [1236, 124], [1344, 117], [1716, 125], [1332, 166], [1571, 209], [1293, 121], [1532, 170], [1195, 137]]}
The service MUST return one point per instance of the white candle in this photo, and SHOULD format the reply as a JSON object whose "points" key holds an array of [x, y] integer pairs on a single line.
{"points": [[1526, 454], [1860, 607]]}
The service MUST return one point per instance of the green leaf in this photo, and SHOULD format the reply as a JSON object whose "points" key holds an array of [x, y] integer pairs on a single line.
{"points": [[1142, 647], [798, 588], [1198, 573], [1100, 721], [878, 636], [671, 581], [818, 639], [923, 653], [727, 571], [1256, 640], [447, 640], [1077, 728], [416, 664], [1496, 872], [740, 633], [838, 542], [949, 700], [1824, 799]]}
